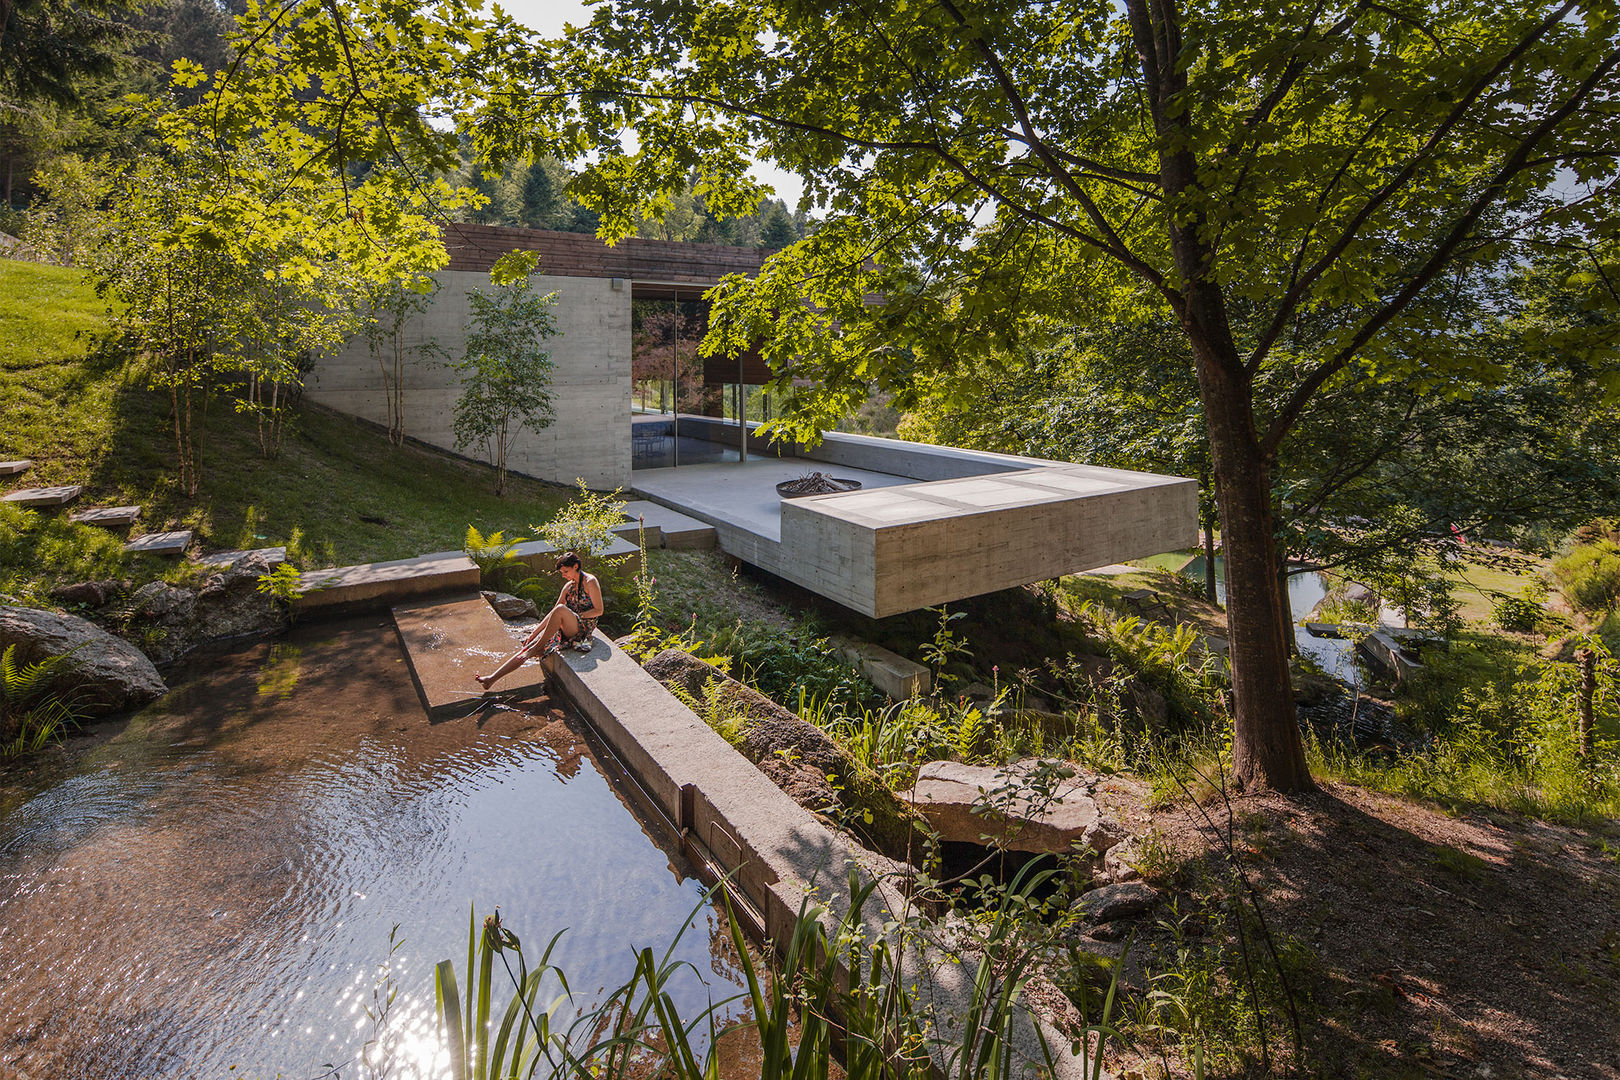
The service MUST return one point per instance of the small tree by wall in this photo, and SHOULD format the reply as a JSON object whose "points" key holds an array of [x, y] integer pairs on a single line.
{"points": [[389, 308], [505, 371]]}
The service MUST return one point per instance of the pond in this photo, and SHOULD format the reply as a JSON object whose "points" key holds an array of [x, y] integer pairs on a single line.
{"points": [[1306, 588], [212, 883]]}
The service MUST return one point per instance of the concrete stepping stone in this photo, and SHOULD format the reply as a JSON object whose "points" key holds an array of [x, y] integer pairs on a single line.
{"points": [[44, 496], [220, 560], [398, 579], [15, 468], [160, 543], [676, 530], [109, 517], [449, 641]]}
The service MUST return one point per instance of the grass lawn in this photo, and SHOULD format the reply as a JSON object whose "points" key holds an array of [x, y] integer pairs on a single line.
{"points": [[337, 494]]}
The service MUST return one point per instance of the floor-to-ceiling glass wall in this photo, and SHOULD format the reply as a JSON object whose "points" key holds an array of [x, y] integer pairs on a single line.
{"points": [[667, 384]]}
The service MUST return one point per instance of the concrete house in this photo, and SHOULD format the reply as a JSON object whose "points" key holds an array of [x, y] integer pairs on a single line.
{"points": [[929, 525]]}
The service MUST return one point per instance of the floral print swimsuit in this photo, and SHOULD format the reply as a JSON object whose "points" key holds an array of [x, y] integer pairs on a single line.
{"points": [[577, 600]]}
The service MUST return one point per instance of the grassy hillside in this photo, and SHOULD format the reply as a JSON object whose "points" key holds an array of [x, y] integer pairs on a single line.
{"points": [[83, 412]]}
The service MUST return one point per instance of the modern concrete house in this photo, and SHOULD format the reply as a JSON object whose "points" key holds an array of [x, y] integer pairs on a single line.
{"points": [[930, 524]]}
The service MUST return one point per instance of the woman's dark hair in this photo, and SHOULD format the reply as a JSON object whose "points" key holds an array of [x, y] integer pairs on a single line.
{"points": [[567, 558]]}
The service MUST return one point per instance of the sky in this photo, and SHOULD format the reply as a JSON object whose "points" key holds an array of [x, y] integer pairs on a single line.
{"points": [[549, 17]]}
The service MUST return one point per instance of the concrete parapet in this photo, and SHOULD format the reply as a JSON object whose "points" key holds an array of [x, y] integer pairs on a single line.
{"points": [[541, 557], [779, 857], [383, 583]]}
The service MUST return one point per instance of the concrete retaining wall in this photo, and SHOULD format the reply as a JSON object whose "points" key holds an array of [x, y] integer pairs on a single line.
{"points": [[779, 856], [590, 383]]}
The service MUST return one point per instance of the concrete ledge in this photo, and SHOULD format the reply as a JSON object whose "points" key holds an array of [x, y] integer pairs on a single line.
{"points": [[384, 583], [779, 856], [44, 496], [674, 529], [891, 673], [541, 557]]}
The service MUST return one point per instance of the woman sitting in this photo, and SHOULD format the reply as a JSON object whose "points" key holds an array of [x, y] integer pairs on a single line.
{"points": [[571, 622]]}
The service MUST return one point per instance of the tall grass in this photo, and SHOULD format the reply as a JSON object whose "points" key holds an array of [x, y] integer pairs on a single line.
{"points": [[832, 997]]}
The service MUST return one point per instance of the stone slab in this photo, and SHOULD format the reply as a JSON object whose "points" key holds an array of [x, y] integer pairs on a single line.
{"points": [[385, 583], [541, 557], [677, 530], [274, 556], [449, 641], [44, 496], [947, 793], [14, 468], [160, 543], [110, 517], [891, 673]]}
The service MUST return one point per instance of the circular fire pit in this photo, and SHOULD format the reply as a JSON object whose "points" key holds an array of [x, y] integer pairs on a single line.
{"points": [[815, 484]]}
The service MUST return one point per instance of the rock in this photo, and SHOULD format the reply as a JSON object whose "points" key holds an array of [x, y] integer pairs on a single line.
{"points": [[799, 757], [948, 791], [91, 594], [170, 620], [977, 691], [105, 674], [1109, 931], [1356, 593], [1311, 689], [508, 606], [1125, 900], [1151, 710], [1117, 863]]}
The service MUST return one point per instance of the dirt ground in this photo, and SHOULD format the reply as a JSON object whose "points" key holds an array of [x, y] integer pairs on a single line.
{"points": [[1437, 945]]}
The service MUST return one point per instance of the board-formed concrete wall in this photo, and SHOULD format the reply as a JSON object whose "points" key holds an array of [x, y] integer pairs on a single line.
{"points": [[590, 382]]}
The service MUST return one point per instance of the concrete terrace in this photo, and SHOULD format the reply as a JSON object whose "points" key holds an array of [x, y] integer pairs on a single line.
{"points": [[931, 524]]}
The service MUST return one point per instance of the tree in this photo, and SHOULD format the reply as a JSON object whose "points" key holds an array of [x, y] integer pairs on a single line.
{"points": [[978, 163], [541, 202], [776, 229], [1338, 161], [505, 373], [388, 309]]}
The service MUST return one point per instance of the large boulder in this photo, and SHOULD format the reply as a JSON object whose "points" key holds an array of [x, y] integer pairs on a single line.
{"points": [[104, 674], [799, 757], [1021, 807], [171, 620]]}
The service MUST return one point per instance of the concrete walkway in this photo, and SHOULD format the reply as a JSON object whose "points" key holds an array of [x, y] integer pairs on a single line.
{"points": [[743, 496]]}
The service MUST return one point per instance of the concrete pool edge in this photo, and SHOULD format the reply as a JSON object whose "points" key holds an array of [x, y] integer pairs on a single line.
{"points": [[777, 854]]}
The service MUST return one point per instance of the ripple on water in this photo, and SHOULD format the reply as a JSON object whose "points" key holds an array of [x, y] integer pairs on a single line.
{"points": [[214, 882]]}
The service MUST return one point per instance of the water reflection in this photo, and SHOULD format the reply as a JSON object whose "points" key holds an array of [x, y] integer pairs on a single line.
{"points": [[1336, 656], [213, 882]]}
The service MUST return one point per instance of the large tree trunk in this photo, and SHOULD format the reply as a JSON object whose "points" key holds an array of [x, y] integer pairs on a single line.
{"points": [[1267, 751], [1266, 748]]}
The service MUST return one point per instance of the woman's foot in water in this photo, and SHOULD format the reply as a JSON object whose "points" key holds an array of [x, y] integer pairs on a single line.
{"points": [[484, 680]]}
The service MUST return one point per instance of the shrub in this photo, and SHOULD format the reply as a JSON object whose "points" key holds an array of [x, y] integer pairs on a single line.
{"points": [[1589, 576], [1520, 613], [586, 524]]}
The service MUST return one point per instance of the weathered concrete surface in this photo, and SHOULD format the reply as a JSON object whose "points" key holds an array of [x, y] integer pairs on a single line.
{"points": [[590, 437], [449, 641], [271, 556], [44, 496], [898, 545], [779, 857], [111, 517], [890, 672], [947, 792], [104, 674], [160, 543], [541, 557], [675, 529], [15, 468], [376, 583]]}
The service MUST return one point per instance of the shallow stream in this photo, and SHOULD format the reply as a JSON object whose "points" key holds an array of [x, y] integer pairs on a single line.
{"points": [[212, 883]]}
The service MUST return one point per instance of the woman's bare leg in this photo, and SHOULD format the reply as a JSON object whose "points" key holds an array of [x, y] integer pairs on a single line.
{"points": [[558, 618]]}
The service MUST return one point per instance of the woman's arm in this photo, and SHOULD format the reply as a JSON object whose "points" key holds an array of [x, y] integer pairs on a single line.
{"points": [[593, 589]]}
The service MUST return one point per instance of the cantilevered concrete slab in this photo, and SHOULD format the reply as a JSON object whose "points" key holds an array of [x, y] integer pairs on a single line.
{"points": [[44, 496], [13, 468], [108, 517], [160, 543], [899, 544], [449, 641]]}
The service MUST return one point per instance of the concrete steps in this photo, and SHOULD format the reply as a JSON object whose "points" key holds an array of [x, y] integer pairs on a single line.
{"points": [[675, 529], [160, 543], [60, 495], [108, 517], [448, 641], [15, 468], [219, 560]]}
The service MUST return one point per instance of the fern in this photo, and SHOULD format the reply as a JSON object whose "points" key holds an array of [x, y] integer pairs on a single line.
{"points": [[30, 716], [492, 553]]}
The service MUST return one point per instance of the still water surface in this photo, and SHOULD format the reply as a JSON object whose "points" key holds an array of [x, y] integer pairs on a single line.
{"points": [[213, 882]]}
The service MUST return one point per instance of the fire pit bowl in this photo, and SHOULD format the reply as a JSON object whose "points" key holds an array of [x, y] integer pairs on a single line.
{"points": [[816, 484]]}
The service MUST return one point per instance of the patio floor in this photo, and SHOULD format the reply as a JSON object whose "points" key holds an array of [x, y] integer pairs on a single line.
{"points": [[742, 495]]}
